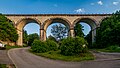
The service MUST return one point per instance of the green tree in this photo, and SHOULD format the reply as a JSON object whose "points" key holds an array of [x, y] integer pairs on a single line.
{"points": [[89, 39], [51, 38], [109, 32], [79, 30], [7, 30], [32, 37], [73, 46], [25, 37], [59, 31]]}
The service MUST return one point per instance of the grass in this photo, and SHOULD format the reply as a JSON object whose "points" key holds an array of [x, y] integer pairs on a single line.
{"points": [[57, 56], [6, 66], [105, 50], [110, 49], [3, 66], [10, 47]]}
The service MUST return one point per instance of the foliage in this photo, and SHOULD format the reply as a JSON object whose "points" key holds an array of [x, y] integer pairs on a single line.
{"points": [[89, 39], [59, 31], [73, 46], [3, 66], [109, 32], [10, 47], [78, 30], [52, 45], [7, 30], [57, 56], [25, 37], [51, 38], [32, 37], [114, 48], [25, 45], [39, 46]]}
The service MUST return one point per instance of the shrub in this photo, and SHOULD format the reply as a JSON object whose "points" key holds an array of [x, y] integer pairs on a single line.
{"points": [[115, 47], [39, 46], [73, 46], [25, 45], [52, 45], [51, 38]]}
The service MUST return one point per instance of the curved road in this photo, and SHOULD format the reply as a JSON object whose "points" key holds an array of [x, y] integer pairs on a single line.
{"points": [[23, 59]]}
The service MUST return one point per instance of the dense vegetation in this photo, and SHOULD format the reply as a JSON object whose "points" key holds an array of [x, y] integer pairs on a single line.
{"points": [[32, 37], [44, 46], [71, 49], [79, 30], [28, 39], [108, 34], [25, 37], [88, 38], [8, 32], [73, 46]]}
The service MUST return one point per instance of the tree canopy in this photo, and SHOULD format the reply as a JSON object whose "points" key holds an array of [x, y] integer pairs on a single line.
{"points": [[7, 30], [78, 30], [25, 37], [32, 37], [109, 31], [59, 31]]}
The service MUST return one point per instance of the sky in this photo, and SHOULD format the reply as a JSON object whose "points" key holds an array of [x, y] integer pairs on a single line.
{"points": [[58, 7]]}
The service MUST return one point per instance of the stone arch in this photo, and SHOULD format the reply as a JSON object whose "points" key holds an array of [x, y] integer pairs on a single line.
{"points": [[102, 20], [54, 20], [20, 25], [25, 21], [91, 22]]}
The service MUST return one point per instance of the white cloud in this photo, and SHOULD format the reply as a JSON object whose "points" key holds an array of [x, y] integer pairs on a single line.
{"points": [[92, 4], [100, 2], [81, 10], [115, 3]]}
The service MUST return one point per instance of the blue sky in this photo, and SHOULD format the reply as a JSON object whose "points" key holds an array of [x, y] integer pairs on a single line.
{"points": [[58, 7]]}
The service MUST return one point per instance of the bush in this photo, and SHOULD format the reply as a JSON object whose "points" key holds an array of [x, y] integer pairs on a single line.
{"points": [[25, 45], [52, 45], [39, 46], [73, 46], [51, 38], [115, 47]]}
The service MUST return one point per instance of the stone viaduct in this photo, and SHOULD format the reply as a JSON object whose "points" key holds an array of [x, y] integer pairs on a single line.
{"points": [[44, 20]]}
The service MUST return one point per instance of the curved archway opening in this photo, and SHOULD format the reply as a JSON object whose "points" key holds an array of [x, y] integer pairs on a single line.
{"points": [[86, 27], [30, 33], [57, 28], [28, 29], [89, 29]]}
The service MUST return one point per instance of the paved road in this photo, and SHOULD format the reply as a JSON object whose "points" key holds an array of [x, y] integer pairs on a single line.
{"points": [[106, 56], [4, 59], [23, 59]]}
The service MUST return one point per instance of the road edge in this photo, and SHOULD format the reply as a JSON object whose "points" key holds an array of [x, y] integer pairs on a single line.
{"points": [[8, 53]]}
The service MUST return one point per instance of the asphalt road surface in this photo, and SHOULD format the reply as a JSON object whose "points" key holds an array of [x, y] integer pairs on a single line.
{"points": [[4, 59], [23, 59]]}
